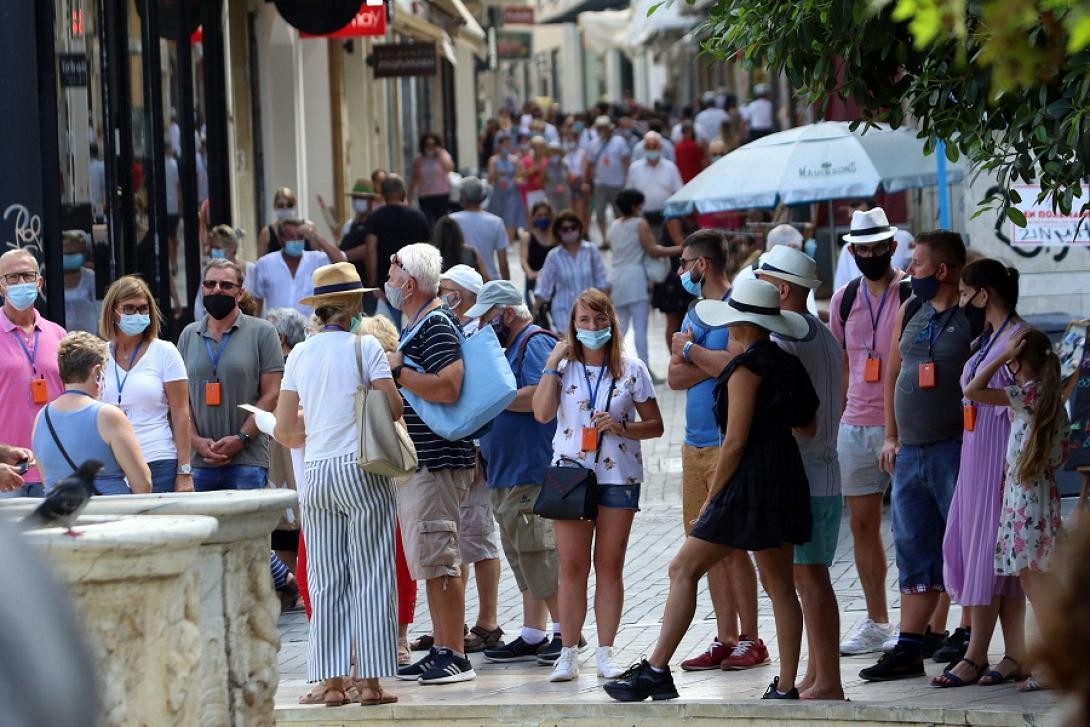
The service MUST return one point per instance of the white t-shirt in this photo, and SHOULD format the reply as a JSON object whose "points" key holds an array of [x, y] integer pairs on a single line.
{"points": [[657, 182], [274, 284], [143, 396], [171, 191], [621, 461], [758, 114], [80, 306], [708, 123], [486, 233], [322, 370], [609, 169]]}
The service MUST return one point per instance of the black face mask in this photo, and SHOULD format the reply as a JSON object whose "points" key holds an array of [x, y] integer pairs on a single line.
{"points": [[977, 316], [873, 268], [219, 306]]}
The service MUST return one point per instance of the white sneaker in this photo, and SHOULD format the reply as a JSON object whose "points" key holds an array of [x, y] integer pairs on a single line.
{"points": [[891, 643], [607, 668], [866, 636], [566, 667]]}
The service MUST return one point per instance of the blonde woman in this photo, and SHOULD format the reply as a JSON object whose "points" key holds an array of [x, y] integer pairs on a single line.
{"points": [[146, 378], [285, 207]]}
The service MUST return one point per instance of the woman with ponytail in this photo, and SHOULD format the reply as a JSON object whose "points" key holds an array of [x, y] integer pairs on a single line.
{"points": [[1029, 521]]}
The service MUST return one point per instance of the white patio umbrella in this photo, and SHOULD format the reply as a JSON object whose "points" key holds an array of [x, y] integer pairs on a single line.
{"points": [[813, 163]]}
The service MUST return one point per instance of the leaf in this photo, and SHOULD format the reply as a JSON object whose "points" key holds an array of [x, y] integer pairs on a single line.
{"points": [[1014, 196], [1015, 215]]}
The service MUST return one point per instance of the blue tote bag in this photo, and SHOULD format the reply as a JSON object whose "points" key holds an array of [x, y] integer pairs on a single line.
{"points": [[487, 389]]}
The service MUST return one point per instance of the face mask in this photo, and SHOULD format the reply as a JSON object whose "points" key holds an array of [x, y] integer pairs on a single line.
{"points": [[359, 206], [394, 296], [355, 323], [500, 328], [284, 213], [542, 223], [217, 253], [73, 261], [135, 324], [569, 237], [810, 247], [873, 268], [925, 288], [23, 295], [652, 156], [579, 126], [593, 340], [977, 316], [453, 300], [100, 381], [294, 248], [219, 305], [693, 287]]}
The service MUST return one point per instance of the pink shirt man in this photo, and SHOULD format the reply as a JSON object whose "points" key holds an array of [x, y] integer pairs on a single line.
{"points": [[866, 403], [18, 367]]}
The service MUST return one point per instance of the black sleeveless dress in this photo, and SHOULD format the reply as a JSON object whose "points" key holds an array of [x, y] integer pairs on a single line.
{"points": [[766, 503]]}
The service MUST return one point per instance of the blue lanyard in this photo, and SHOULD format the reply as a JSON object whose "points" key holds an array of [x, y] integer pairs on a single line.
{"points": [[215, 357], [989, 342], [117, 370], [933, 339], [875, 319], [31, 355], [594, 392], [80, 393]]}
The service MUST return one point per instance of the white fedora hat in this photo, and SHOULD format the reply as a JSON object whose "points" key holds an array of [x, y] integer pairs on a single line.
{"points": [[752, 301], [869, 227], [789, 264]]}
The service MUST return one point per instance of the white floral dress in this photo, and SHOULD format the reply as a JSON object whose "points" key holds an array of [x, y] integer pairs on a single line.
{"points": [[1029, 521]]}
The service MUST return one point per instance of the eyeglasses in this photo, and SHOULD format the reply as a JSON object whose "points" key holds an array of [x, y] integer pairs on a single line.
{"points": [[16, 278], [225, 285], [135, 310], [394, 260], [871, 250], [687, 262]]}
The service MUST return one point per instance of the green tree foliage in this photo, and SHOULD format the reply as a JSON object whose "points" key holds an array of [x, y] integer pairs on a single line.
{"points": [[1005, 83]]}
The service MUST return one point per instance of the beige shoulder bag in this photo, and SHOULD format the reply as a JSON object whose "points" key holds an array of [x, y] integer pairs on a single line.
{"points": [[384, 447]]}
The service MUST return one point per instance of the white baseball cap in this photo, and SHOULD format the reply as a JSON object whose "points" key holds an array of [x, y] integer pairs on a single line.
{"points": [[464, 276]]}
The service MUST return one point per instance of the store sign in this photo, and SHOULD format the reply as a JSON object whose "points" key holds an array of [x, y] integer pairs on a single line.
{"points": [[369, 21], [518, 15], [318, 17], [72, 69], [513, 45], [1047, 227], [404, 59]]}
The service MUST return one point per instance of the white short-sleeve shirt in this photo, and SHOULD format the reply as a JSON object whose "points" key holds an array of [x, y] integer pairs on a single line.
{"points": [[322, 370], [141, 394], [620, 461], [274, 283]]}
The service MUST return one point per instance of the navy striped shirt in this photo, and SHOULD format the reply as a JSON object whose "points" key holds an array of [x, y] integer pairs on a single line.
{"points": [[434, 347]]}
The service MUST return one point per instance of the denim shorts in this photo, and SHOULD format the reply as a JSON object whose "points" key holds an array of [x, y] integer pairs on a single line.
{"points": [[163, 474], [231, 477], [923, 485], [622, 497]]}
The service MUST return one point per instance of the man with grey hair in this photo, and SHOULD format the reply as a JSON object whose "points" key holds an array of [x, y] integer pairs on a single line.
{"points": [[517, 450], [290, 325], [429, 503], [483, 230]]}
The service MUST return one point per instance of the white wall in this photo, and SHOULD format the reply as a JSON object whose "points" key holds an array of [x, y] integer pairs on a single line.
{"points": [[314, 123], [567, 38], [276, 55], [465, 104]]}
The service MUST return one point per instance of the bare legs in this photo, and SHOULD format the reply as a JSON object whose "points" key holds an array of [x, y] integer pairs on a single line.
{"points": [[870, 553], [726, 610], [487, 573], [822, 619], [447, 603]]}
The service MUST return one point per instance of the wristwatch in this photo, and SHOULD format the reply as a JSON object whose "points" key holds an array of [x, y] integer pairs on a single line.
{"points": [[396, 372], [185, 469], [244, 437]]}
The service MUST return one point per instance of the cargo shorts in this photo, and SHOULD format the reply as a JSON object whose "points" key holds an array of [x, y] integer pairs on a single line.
{"points": [[529, 540], [429, 507]]}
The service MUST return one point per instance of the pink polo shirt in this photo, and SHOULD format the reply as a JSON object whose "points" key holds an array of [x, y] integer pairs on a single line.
{"points": [[866, 401], [16, 372]]}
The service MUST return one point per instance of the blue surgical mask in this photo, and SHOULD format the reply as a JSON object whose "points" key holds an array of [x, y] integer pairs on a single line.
{"points": [[578, 127], [73, 261], [23, 295], [692, 287], [542, 223], [217, 253], [294, 248], [651, 156], [925, 288], [135, 324], [594, 340]]}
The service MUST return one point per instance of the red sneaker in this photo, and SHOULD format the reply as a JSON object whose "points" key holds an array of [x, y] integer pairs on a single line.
{"points": [[746, 655], [710, 659]]}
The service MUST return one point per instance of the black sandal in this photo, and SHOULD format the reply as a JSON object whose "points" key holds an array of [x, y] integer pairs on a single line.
{"points": [[949, 679], [996, 677]]}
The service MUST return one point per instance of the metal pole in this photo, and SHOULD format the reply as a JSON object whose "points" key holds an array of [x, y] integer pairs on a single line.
{"points": [[944, 193]]}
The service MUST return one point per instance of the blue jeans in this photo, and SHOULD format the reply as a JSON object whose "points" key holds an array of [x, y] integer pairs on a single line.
{"points": [[31, 489], [163, 474], [923, 485], [231, 477], [622, 497]]}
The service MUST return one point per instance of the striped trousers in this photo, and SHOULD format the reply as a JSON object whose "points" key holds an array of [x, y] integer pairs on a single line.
{"points": [[348, 517]]}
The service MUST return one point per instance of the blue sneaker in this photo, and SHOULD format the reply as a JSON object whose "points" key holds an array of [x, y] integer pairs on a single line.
{"points": [[413, 672], [448, 669]]}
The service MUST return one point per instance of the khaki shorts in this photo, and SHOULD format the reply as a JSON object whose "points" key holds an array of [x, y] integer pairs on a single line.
{"points": [[478, 539], [697, 472], [529, 540], [429, 508]]}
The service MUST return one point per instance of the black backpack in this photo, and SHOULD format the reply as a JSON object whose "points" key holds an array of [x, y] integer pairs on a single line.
{"points": [[904, 292]]}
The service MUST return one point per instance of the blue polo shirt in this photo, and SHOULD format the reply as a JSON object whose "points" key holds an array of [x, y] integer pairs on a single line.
{"points": [[517, 449], [700, 427]]}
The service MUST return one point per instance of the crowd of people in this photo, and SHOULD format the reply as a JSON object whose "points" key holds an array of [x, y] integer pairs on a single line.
{"points": [[924, 378]]}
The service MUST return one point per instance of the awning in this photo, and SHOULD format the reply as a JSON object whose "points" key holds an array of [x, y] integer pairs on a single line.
{"points": [[405, 21], [470, 29], [567, 11], [413, 25], [605, 30], [667, 18]]}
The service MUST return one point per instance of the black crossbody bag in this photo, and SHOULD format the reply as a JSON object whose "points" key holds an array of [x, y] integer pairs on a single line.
{"points": [[570, 490]]}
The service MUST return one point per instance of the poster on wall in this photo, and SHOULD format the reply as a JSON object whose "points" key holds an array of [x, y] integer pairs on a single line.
{"points": [[513, 45], [1047, 227]]}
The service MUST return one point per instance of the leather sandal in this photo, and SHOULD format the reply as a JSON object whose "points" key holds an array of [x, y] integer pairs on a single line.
{"points": [[480, 639], [335, 697], [996, 677], [382, 698], [949, 679]]}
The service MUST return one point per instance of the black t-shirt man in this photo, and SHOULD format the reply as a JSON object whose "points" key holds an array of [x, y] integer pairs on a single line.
{"points": [[394, 226]]}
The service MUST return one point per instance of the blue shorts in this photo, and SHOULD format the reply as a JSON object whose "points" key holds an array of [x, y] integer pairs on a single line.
{"points": [[826, 511], [923, 485], [231, 477], [622, 497], [163, 474]]}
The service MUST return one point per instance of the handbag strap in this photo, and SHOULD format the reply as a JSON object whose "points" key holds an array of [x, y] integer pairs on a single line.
{"points": [[601, 439], [359, 357], [57, 441]]}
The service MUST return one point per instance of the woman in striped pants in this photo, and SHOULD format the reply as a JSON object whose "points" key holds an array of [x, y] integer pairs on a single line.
{"points": [[348, 515]]}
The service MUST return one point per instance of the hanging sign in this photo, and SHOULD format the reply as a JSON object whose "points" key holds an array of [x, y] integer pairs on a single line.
{"points": [[369, 21], [518, 15], [72, 70], [392, 60]]}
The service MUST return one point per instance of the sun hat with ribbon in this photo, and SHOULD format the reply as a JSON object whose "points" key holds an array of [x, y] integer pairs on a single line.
{"points": [[751, 301], [790, 265], [334, 281], [869, 227], [363, 188]]}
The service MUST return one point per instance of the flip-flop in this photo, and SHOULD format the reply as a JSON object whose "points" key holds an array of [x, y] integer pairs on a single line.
{"points": [[953, 680], [996, 677], [1032, 684]]}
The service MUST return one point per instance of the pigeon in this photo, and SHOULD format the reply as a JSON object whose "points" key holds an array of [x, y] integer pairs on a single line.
{"points": [[66, 499]]}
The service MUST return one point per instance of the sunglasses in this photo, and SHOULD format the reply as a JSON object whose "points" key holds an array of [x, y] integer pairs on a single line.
{"points": [[225, 285], [135, 310], [568, 228], [686, 262]]}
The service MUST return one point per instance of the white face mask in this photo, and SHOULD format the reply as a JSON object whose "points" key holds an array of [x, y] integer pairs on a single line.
{"points": [[360, 206], [284, 213]]}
